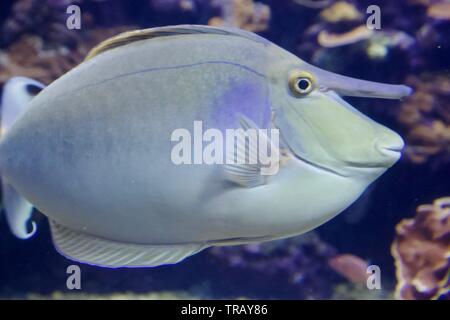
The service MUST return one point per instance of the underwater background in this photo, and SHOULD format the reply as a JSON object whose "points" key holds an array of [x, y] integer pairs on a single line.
{"points": [[402, 221]]}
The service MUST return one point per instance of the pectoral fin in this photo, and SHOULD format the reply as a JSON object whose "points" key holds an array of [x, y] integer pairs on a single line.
{"points": [[244, 163]]}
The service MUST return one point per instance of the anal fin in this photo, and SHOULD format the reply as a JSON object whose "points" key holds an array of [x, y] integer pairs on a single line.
{"points": [[97, 251]]}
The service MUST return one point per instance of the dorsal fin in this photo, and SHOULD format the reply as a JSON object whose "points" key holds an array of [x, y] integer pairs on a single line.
{"points": [[138, 35]]}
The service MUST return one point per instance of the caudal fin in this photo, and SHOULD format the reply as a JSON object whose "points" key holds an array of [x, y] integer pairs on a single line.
{"points": [[17, 93]]}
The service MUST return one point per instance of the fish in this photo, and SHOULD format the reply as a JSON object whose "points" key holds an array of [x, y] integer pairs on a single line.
{"points": [[92, 150]]}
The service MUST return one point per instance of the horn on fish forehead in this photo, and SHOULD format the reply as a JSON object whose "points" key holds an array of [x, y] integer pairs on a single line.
{"points": [[347, 86]]}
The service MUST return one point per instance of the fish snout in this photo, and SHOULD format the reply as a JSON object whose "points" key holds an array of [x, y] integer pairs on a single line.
{"points": [[390, 145]]}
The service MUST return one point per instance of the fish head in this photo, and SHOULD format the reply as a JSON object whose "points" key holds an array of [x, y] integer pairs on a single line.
{"points": [[322, 129]]}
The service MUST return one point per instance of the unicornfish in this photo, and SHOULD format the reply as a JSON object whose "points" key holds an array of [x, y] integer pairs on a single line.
{"points": [[93, 151]]}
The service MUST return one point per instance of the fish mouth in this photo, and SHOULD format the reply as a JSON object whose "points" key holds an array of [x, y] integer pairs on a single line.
{"points": [[395, 150], [391, 154], [316, 165], [392, 150], [363, 167]]}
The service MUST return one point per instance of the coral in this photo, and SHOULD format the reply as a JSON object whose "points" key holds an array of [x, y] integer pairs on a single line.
{"points": [[163, 295], [173, 5], [339, 24], [426, 117], [244, 14], [351, 267], [355, 291], [314, 4], [331, 40], [298, 263], [417, 40], [341, 11], [340, 31], [27, 56], [382, 43], [421, 251], [44, 20], [439, 10]]}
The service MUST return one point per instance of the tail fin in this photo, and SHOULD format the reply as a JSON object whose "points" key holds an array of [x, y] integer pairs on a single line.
{"points": [[17, 93]]}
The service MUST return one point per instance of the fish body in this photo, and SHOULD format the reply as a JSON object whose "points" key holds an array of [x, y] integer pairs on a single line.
{"points": [[93, 150]]}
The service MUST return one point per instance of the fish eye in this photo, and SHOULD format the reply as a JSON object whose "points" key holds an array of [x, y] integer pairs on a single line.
{"points": [[301, 83]]}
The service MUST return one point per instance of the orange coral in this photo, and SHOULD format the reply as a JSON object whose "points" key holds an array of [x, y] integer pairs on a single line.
{"points": [[341, 11], [331, 40], [421, 251], [440, 10], [244, 14], [26, 57], [351, 267], [426, 117]]}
